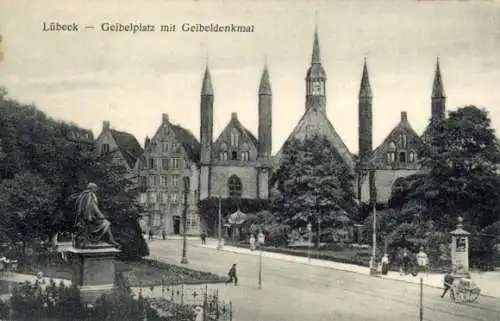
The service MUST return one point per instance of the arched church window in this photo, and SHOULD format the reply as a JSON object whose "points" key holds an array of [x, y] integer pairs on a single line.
{"points": [[234, 186], [391, 152], [223, 156], [402, 139], [245, 156], [234, 155], [412, 157], [234, 138]]}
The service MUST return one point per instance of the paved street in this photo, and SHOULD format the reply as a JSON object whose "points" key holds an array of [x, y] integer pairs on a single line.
{"points": [[294, 291]]}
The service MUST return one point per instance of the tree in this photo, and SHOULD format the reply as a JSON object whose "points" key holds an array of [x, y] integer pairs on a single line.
{"points": [[462, 157], [27, 202], [314, 185]]}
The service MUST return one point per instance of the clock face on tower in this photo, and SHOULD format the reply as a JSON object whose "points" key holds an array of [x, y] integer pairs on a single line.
{"points": [[316, 88]]}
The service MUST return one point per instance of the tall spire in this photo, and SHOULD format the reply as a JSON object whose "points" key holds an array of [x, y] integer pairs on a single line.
{"points": [[265, 83], [316, 56], [437, 87], [365, 89], [206, 88]]}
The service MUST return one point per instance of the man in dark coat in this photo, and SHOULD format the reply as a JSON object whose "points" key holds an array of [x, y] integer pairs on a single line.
{"points": [[232, 275]]}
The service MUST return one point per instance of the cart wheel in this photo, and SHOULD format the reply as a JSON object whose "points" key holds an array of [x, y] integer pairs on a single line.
{"points": [[472, 296]]}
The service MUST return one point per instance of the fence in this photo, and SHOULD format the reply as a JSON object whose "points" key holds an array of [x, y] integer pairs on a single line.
{"points": [[205, 300]]}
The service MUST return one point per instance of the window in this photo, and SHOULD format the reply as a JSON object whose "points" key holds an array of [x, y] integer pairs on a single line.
{"points": [[164, 163], [223, 156], [142, 180], [157, 220], [186, 163], [152, 197], [234, 155], [234, 138], [152, 180], [412, 157], [175, 180], [174, 147], [164, 147], [105, 148], [152, 163], [245, 156], [165, 130], [176, 163], [402, 157], [143, 198], [173, 198], [391, 157], [402, 139], [164, 197], [234, 186], [163, 180]]}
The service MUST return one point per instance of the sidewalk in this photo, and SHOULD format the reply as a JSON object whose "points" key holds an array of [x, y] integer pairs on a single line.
{"points": [[489, 282]]}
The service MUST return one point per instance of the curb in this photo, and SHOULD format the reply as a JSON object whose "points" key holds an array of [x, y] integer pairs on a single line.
{"points": [[344, 270]]}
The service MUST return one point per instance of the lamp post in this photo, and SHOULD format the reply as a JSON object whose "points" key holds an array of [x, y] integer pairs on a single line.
{"points": [[261, 239], [220, 244], [309, 232], [184, 259]]}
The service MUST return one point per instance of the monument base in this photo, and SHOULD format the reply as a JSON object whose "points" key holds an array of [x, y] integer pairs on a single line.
{"points": [[94, 270]]}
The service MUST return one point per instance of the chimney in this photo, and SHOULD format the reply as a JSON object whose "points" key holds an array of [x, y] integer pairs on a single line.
{"points": [[105, 125], [404, 117], [164, 118], [146, 142], [234, 116]]}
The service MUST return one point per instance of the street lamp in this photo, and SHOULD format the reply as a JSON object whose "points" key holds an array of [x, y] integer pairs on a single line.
{"points": [[309, 232], [261, 239], [220, 244], [184, 259]]}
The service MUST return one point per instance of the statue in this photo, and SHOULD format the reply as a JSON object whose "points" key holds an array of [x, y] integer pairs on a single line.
{"points": [[92, 227]]}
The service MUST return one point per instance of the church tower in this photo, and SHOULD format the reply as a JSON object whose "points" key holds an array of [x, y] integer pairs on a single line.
{"points": [[265, 134], [316, 80], [438, 96], [365, 114], [206, 133]]}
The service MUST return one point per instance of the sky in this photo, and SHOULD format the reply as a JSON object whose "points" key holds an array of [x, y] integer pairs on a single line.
{"points": [[131, 79]]}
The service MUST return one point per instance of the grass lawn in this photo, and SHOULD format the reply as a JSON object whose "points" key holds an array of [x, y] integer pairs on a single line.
{"points": [[143, 272]]}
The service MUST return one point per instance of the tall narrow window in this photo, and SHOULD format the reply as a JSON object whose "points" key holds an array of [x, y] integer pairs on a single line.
{"points": [[244, 156], [175, 180], [164, 163], [165, 147], [402, 157], [391, 152], [234, 186], [234, 138], [163, 180], [412, 157], [105, 148], [402, 139], [152, 163], [176, 163], [223, 156]]}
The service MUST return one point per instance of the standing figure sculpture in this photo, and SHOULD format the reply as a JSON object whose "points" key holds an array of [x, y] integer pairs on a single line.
{"points": [[92, 226]]}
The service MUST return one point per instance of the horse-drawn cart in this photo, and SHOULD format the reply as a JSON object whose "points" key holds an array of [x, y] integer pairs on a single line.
{"points": [[464, 290]]}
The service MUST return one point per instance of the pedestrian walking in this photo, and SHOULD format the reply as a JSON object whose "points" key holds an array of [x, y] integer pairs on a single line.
{"points": [[252, 242], [151, 234], [203, 236], [405, 262], [385, 264], [232, 275], [422, 260], [163, 235]]}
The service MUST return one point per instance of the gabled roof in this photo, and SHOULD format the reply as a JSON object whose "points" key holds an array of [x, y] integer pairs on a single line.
{"points": [[317, 122], [191, 145], [403, 125], [237, 124], [128, 146]]}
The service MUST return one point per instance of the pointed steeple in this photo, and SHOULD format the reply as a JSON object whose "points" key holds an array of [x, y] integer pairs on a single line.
{"points": [[265, 83], [365, 89], [316, 56], [437, 87], [206, 88]]}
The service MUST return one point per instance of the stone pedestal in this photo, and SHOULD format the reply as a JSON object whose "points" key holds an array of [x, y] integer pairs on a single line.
{"points": [[94, 270]]}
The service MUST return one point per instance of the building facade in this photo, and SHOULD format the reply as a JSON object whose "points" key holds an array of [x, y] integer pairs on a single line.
{"points": [[169, 156]]}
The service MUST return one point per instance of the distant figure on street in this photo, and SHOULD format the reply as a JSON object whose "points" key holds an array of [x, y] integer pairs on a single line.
{"points": [[252, 242], [448, 281], [385, 264], [203, 236], [232, 275], [405, 262], [422, 259], [163, 235], [151, 234]]}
